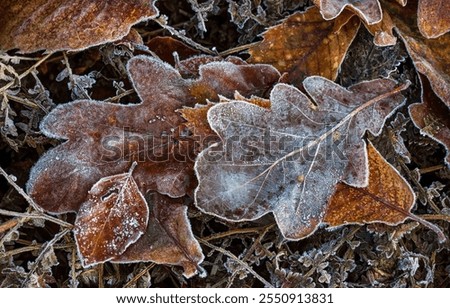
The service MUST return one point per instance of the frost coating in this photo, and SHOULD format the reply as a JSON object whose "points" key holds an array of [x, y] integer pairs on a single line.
{"points": [[369, 10], [136, 130], [312, 146], [114, 216]]}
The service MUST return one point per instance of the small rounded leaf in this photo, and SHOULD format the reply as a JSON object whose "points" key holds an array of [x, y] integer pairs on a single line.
{"points": [[114, 216]]}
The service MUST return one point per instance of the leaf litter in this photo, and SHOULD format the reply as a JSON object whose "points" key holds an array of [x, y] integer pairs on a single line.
{"points": [[246, 252]]}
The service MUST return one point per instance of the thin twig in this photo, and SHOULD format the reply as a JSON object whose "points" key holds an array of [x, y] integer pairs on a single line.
{"points": [[100, 268], [431, 169], [138, 276], [250, 251], [173, 31], [119, 96], [44, 250], [236, 259], [34, 247], [435, 217], [418, 185], [28, 216], [8, 225], [20, 190], [237, 49], [22, 101], [236, 231], [26, 73]]}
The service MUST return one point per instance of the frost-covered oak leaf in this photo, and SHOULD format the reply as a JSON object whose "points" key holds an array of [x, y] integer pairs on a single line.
{"points": [[33, 25], [288, 160], [102, 139], [113, 217]]}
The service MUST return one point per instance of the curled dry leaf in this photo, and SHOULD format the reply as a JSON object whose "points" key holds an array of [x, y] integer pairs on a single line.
{"points": [[305, 44], [383, 31], [168, 239], [388, 198], [430, 56], [368, 10], [113, 217], [287, 160], [68, 25], [432, 116]]}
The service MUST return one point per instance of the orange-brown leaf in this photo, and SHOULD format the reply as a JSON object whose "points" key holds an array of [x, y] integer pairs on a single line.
{"points": [[387, 198], [433, 17], [168, 239], [113, 217], [68, 25], [306, 44], [383, 31]]}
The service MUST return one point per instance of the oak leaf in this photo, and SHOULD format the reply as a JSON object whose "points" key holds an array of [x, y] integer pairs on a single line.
{"points": [[305, 44], [68, 25], [288, 160], [113, 217], [388, 197], [432, 16]]}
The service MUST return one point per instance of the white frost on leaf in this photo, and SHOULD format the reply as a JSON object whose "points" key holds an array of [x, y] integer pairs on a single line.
{"points": [[114, 217], [287, 160]]}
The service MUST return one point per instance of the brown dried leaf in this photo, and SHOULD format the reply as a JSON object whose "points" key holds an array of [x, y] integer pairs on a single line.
{"points": [[197, 120], [368, 10], [432, 116], [287, 160], [383, 31], [433, 17], [388, 198], [168, 239], [430, 56], [68, 25], [113, 217], [305, 44], [104, 138]]}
